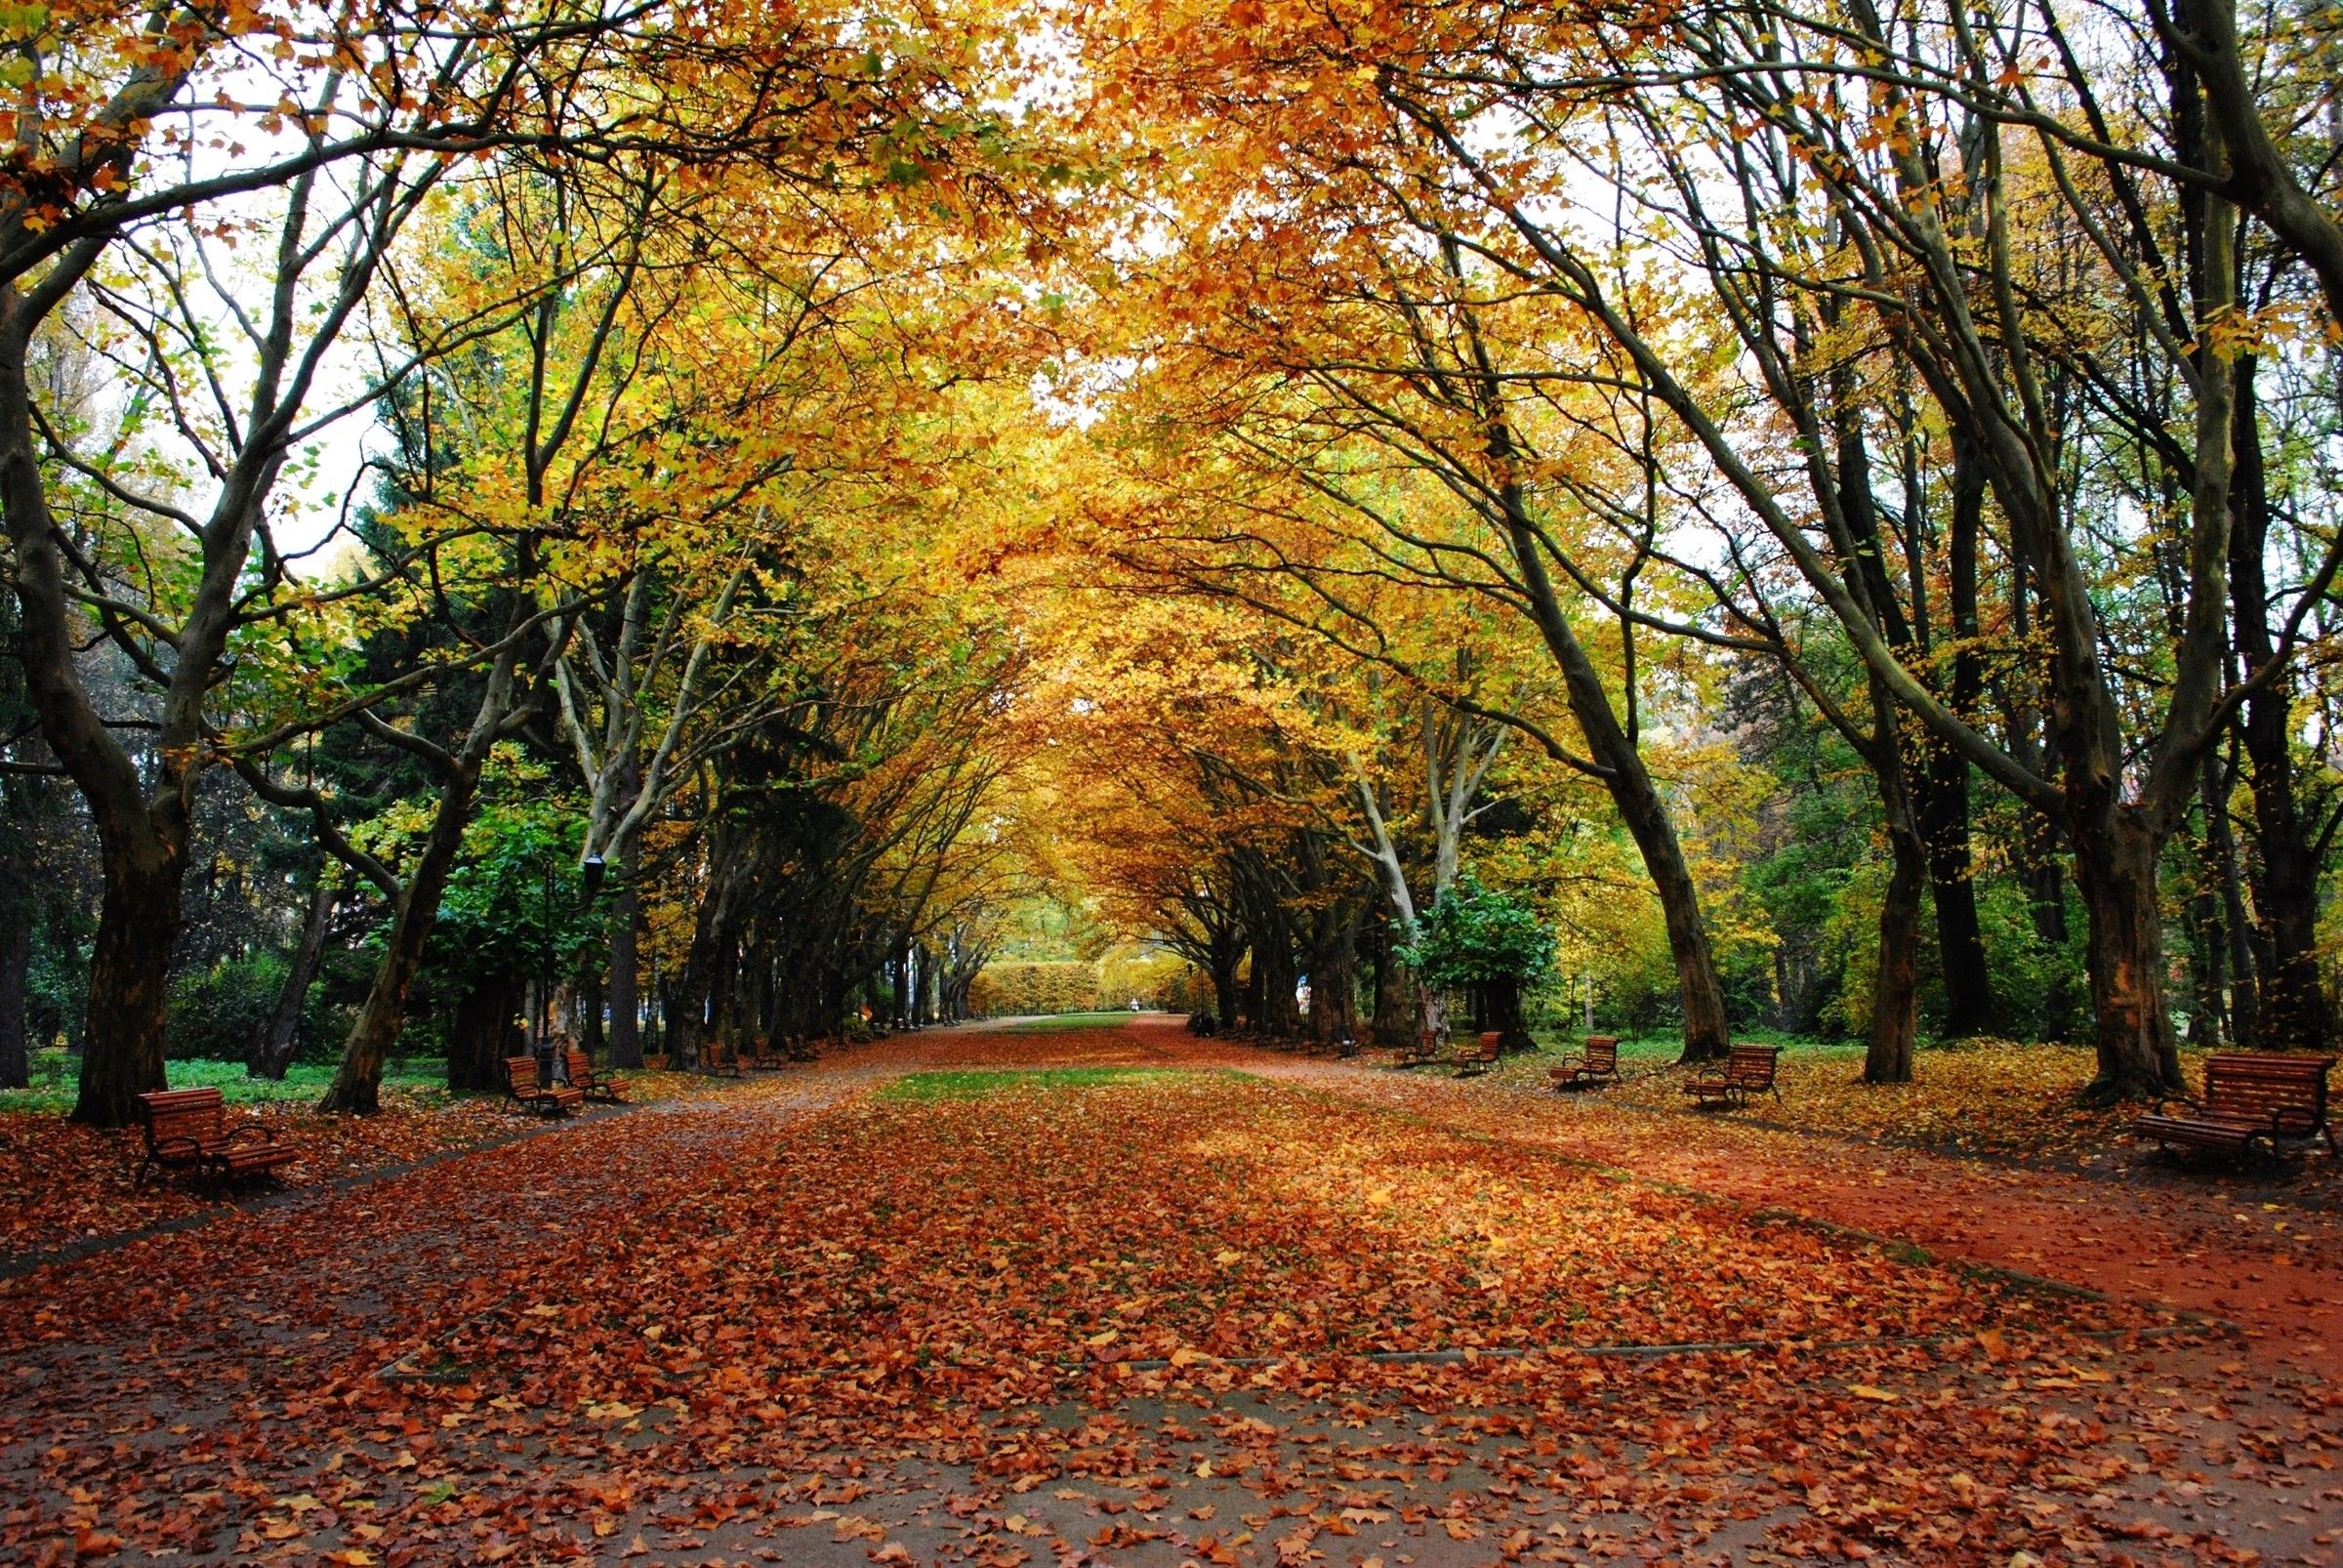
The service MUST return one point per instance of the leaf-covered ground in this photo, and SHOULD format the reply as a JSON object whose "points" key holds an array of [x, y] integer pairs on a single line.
{"points": [[62, 1185], [1990, 1098], [923, 1304]]}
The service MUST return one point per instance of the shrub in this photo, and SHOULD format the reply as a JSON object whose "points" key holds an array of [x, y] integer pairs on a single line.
{"points": [[215, 1014], [1017, 990]]}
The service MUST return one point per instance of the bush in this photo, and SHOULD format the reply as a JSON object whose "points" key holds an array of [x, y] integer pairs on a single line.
{"points": [[215, 1014], [1019, 990], [1157, 978]]}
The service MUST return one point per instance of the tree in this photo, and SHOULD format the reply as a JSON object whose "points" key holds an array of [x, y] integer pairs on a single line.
{"points": [[1487, 940]]}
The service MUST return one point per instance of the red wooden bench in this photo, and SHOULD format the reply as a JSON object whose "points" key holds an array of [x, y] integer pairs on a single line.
{"points": [[1424, 1053], [546, 1099], [1479, 1057], [578, 1068], [1747, 1070], [2248, 1098], [1596, 1061], [186, 1129]]}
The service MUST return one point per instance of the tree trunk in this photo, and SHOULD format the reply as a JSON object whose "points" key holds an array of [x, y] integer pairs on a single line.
{"points": [[2294, 1007], [1707, 1033], [2116, 873], [1281, 1010], [1500, 1011], [1333, 976], [1944, 795], [486, 1031], [2244, 995], [272, 1052], [1896, 987], [1959, 938], [1394, 998], [137, 928], [626, 971], [16, 967], [358, 1082], [589, 1013], [1227, 996], [1896, 984]]}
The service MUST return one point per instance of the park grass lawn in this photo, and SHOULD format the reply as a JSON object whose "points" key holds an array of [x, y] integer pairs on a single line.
{"points": [[1108, 1019], [974, 1082], [53, 1072]]}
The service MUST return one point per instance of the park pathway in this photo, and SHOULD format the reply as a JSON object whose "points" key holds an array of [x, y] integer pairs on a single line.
{"points": [[405, 1370]]}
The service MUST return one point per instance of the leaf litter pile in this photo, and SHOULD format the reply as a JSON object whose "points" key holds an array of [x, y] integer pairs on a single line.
{"points": [[1123, 1315]]}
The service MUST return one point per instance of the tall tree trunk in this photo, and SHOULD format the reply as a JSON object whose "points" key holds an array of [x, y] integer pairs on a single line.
{"points": [[1334, 975], [2244, 968], [2226, 971], [1944, 795], [1275, 973], [2116, 873], [1896, 984], [2295, 1009], [625, 974], [358, 1081], [1394, 996], [1707, 1033], [486, 1030], [1227, 996], [16, 969], [272, 1052], [1895, 988], [137, 930]]}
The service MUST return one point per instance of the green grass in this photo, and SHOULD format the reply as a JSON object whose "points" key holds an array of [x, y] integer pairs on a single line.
{"points": [[974, 1083], [53, 1076], [1076, 1020]]}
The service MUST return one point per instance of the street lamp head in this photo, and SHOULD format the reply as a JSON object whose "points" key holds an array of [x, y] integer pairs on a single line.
{"points": [[591, 874]]}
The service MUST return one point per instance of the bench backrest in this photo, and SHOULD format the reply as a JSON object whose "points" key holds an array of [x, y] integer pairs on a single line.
{"points": [[196, 1113], [521, 1074], [1753, 1065], [577, 1066], [2289, 1093], [1602, 1052], [1487, 1045]]}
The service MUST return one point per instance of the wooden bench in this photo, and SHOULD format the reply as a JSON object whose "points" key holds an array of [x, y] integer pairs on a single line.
{"points": [[578, 1068], [1747, 1070], [1598, 1060], [546, 1099], [1422, 1054], [2248, 1098], [186, 1129], [1479, 1057]]}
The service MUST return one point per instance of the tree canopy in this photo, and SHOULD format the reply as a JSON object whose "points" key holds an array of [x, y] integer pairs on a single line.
{"points": [[699, 527]]}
